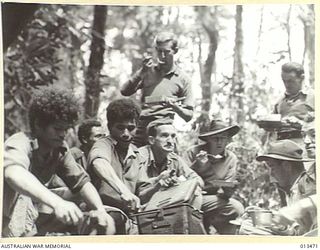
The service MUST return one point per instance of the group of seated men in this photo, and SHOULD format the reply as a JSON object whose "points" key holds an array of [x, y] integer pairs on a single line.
{"points": [[93, 190]]}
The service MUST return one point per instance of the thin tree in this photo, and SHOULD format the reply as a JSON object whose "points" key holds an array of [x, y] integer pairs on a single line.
{"points": [[92, 79], [208, 22], [238, 74], [307, 19]]}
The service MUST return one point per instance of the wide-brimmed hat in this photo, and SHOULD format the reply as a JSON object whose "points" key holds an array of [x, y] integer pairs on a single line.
{"points": [[285, 150], [217, 127]]}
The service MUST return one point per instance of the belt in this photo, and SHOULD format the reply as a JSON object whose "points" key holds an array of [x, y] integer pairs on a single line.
{"points": [[289, 135]]}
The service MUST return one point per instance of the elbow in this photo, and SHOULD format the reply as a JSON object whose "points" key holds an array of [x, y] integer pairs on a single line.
{"points": [[188, 118], [124, 92]]}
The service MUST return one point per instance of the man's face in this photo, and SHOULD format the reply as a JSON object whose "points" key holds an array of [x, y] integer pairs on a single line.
{"points": [[165, 139], [123, 132], [165, 54], [54, 134], [218, 143], [309, 138], [292, 82], [279, 171], [95, 134]]}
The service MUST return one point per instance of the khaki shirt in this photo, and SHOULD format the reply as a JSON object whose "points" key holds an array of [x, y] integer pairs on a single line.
{"points": [[127, 171], [173, 84], [224, 169], [304, 187], [149, 170], [21, 150]]}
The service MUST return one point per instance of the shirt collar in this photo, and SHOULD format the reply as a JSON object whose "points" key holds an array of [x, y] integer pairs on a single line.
{"points": [[174, 70], [293, 186], [113, 141], [287, 96], [132, 149], [151, 160]]}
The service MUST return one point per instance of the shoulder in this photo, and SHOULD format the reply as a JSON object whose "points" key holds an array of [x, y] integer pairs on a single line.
{"points": [[310, 98], [280, 100], [105, 143], [76, 152], [231, 155], [144, 152], [19, 140], [185, 79], [18, 149]]}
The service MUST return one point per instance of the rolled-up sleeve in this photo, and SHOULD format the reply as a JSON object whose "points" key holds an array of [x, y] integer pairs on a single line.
{"points": [[72, 173]]}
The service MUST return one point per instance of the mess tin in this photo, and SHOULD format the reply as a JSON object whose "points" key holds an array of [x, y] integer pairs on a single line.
{"points": [[261, 217]]}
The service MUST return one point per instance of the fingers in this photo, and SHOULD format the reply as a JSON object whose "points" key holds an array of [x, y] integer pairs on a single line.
{"points": [[147, 61], [69, 213]]}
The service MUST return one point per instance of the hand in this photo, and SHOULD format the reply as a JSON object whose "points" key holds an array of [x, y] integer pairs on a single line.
{"points": [[292, 121], [282, 217], [68, 212], [133, 202], [202, 157], [228, 192], [170, 102], [285, 231], [167, 178], [147, 62], [103, 220]]}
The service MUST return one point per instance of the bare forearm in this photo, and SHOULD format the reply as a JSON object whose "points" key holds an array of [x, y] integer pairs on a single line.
{"points": [[91, 196], [132, 85], [107, 174], [24, 182], [184, 113]]}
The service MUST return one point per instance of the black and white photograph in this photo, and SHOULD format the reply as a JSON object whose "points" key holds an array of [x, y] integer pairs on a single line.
{"points": [[124, 119]]}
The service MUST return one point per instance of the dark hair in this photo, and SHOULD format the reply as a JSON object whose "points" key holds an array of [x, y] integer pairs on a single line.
{"points": [[152, 127], [85, 127], [293, 67], [164, 37], [53, 103], [121, 110]]}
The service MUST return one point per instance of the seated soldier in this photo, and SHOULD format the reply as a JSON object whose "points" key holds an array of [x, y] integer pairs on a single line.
{"points": [[32, 159], [89, 132], [158, 161], [112, 161], [213, 163], [306, 207], [286, 163]]}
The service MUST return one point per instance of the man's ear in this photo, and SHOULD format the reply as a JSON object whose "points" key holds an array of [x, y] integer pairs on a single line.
{"points": [[151, 140], [302, 76]]}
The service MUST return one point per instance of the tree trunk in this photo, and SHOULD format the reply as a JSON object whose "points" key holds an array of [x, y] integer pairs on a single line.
{"points": [[208, 23], [309, 41], [92, 80], [288, 29], [238, 75]]}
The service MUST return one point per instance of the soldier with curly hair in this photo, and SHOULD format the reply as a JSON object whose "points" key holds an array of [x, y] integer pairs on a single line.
{"points": [[112, 161], [31, 159]]}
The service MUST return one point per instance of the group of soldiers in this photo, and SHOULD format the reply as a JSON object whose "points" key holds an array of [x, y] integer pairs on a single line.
{"points": [[51, 189]]}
